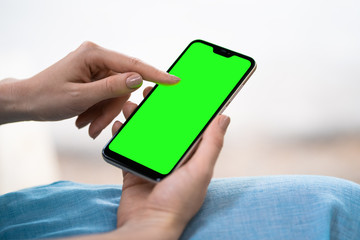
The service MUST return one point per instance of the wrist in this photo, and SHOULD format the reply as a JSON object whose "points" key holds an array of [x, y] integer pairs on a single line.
{"points": [[152, 225], [14, 103]]}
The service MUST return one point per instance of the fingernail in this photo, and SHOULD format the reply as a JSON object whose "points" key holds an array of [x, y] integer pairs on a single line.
{"points": [[224, 122], [134, 81], [174, 78]]}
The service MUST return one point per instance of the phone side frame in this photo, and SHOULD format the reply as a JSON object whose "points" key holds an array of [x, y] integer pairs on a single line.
{"points": [[193, 148]]}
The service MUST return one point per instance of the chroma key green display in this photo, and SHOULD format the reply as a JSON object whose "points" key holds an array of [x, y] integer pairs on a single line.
{"points": [[171, 119]]}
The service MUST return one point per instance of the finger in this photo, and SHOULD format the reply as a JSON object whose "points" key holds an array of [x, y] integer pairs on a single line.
{"points": [[116, 126], [119, 62], [88, 116], [204, 159], [147, 91], [110, 109], [128, 109], [113, 86]]}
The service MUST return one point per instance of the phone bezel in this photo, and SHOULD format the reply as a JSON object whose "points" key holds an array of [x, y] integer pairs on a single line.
{"points": [[149, 174]]}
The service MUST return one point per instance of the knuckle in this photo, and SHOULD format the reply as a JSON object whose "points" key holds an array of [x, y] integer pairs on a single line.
{"points": [[74, 96], [110, 85], [135, 61], [158, 73], [88, 45], [74, 91], [86, 51], [115, 87]]}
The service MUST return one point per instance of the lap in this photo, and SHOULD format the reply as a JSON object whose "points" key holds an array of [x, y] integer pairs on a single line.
{"points": [[278, 207]]}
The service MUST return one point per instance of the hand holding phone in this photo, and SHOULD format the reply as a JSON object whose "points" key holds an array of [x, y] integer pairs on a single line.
{"points": [[162, 210], [168, 123]]}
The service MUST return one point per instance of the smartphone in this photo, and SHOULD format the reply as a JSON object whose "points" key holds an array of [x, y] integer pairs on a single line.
{"points": [[166, 126]]}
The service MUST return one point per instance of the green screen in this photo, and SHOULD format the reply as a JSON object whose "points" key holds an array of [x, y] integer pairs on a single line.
{"points": [[171, 118]]}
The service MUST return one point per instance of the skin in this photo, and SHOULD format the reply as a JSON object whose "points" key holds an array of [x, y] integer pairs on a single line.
{"points": [[90, 83]]}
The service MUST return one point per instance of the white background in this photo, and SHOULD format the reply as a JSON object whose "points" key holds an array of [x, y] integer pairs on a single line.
{"points": [[308, 53]]}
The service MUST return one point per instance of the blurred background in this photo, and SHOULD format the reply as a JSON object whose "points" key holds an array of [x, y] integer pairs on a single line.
{"points": [[298, 114]]}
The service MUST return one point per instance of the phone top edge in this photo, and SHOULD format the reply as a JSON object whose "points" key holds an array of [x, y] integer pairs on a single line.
{"points": [[252, 61], [214, 46]]}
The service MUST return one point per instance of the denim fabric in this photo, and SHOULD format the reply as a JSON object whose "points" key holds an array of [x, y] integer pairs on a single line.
{"points": [[58, 209], [277, 207]]}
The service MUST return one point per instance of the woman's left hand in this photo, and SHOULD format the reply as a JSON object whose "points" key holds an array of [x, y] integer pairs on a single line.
{"points": [[91, 82]]}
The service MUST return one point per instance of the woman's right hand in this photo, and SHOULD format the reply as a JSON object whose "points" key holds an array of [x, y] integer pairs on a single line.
{"points": [[162, 210]]}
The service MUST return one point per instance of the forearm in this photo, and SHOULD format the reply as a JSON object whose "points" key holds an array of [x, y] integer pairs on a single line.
{"points": [[14, 105]]}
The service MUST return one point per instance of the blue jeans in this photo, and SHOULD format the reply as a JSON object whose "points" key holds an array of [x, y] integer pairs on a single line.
{"points": [[277, 207]]}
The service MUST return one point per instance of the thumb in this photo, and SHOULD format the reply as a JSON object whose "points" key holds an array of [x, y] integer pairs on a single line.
{"points": [[204, 159], [116, 85]]}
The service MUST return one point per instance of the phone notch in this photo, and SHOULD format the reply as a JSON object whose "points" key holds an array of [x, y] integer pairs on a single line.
{"points": [[223, 51]]}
